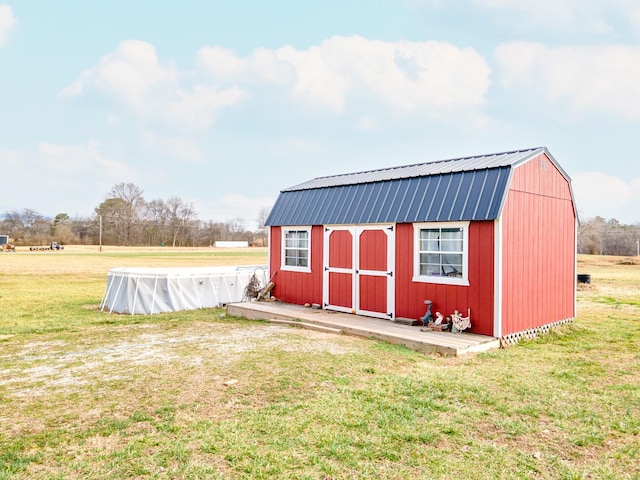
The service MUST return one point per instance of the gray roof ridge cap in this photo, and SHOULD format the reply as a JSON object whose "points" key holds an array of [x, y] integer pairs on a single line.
{"points": [[430, 163]]}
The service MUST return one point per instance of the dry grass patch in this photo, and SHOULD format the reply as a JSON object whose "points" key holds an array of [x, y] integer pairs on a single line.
{"points": [[85, 260]]}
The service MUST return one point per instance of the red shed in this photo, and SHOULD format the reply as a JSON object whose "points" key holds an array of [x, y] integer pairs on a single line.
{"points": [[493, 235]]}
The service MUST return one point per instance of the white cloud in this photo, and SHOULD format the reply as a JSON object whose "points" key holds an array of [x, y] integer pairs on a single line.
{"points": [[71, 178], [195, 109], [78, 160], [633, 13], [262, 66], [427, 78], [112, 120], [537, 12], [7, 22], [152, 90], [591, 79], [406, 76], [590, 16], [175, 147], [367, 124], [600, 194], [131, 72]]}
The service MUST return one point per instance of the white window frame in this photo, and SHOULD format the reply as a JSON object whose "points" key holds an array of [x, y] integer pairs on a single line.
{"points": [[417, 277], [292, 268]]}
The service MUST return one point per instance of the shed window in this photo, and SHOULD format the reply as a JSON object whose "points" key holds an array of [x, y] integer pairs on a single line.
{"points": [[441, 253], [296, 249]]}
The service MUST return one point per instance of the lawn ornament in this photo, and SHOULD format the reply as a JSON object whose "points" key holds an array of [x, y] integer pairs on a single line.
{"points": [[427, 316], [460, 323]]}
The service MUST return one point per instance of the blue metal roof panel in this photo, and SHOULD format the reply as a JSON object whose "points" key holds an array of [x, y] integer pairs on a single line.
{"points": [[460, 196], [409, 199], [368, 191], [324, 203], [429, 198]]}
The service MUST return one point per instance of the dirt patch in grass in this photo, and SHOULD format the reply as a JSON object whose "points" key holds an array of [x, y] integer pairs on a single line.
{"points": [[586, 261], [629, 261], [65, 366]]}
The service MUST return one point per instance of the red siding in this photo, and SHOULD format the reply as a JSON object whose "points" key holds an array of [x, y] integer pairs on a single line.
{"points": [[373, 250], [297, 287], [340, 246], [478, 296], [341, 289], [373, 294], [538, 238]]}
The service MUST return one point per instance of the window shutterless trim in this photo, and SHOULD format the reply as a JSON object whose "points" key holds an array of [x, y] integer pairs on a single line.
{"points": [[293, 268], [446, 280]]}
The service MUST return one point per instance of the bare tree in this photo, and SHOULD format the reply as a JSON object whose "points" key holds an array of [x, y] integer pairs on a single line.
{"points": [[213, 231], [236, 229], [181, 216], [26, 226], [590, 236], [156, 222], [86, 230], [261, 221], [598, 236], [122, 213]]}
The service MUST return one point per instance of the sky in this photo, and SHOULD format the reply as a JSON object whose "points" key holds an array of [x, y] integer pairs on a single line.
{"points": [[223, 104]]}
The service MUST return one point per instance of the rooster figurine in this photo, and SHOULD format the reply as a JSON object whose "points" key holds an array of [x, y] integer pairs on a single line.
{"points": [[461, 323]]}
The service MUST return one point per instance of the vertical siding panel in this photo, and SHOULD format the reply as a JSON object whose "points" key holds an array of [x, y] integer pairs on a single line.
{"points": [[539, 243], [486, 275], [478, 296], [411, 305], [274, 249], [317, 262], [510, 246], [297, 287]]}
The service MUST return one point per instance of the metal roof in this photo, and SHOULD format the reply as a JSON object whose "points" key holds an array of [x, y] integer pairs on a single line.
{"points": [[469, 188], [464, 164]]}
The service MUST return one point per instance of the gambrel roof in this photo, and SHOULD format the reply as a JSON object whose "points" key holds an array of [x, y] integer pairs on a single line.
{"points": [[468, 188]]}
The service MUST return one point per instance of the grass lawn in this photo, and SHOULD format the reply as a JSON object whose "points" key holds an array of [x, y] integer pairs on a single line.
{"points": [[198, 394]]}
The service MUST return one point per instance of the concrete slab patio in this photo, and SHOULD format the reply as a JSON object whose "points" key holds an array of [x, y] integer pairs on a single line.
{"points": [[444, 343]]}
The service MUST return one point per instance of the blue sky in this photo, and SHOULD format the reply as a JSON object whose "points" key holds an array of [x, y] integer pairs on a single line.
{"points": [[223, 104]]}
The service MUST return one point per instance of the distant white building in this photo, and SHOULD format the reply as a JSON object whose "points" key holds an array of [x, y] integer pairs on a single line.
{"points": [[231, 244]]}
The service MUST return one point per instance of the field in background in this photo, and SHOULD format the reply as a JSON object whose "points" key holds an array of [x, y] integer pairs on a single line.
{"points": [[87, 259], [202, 395]]}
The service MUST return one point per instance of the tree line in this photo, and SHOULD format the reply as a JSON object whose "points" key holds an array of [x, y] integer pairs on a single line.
{"points": [[598, 236], [126, 218]]}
